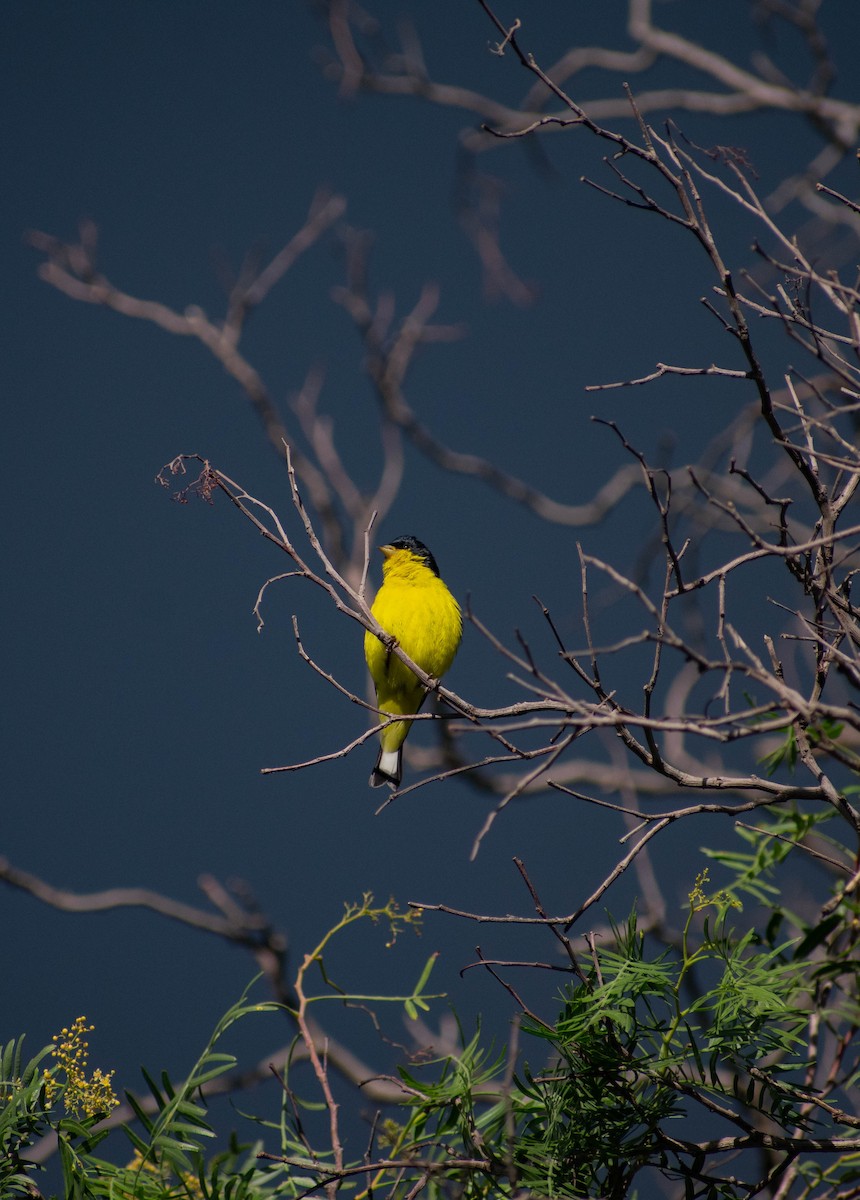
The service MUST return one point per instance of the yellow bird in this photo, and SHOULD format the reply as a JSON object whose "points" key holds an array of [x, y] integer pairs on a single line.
{"points": [[416, 608]]}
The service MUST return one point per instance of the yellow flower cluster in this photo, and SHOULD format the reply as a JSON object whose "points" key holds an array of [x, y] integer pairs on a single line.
{"points": [[698, 899], [187, 1185], [94, 1097]]}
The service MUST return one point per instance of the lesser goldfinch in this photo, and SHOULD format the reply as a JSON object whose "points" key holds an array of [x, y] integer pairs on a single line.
{"points": [[416, 608]]}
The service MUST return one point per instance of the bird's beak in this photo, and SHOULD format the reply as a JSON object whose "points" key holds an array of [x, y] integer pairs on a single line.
{"points": [[386, 551]]}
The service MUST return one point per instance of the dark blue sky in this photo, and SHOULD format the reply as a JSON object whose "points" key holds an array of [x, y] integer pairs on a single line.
{"points": [[141, 702]]}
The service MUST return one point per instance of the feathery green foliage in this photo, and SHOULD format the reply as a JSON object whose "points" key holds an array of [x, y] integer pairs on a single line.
{"points": [[649, 1048]]}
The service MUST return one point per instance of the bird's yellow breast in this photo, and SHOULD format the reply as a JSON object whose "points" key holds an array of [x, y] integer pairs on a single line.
{"points": [[416, 608]]}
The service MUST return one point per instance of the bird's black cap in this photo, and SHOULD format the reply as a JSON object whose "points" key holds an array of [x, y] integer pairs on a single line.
{"points": [[417, 548]]}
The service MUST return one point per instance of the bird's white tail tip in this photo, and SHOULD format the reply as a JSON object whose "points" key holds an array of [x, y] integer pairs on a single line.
{"points": [[387, 769]]}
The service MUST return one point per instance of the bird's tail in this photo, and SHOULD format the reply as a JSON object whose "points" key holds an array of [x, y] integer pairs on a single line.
{"points": [[388, 769]]}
